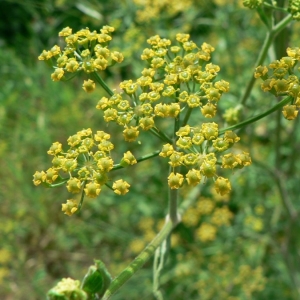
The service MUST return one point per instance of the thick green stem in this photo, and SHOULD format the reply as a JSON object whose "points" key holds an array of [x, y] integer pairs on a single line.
{"points": [[149, 251], [102, 83], [260, 116], [187, 116], [263, 52], [139, 261], [173, 206]]}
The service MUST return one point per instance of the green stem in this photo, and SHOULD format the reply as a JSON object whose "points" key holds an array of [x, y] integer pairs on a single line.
{"points": [[173, 214], [264, 50], [102, 83], [148, 252], [139, 261], [161, 135], [187, 116], [258, 117]]}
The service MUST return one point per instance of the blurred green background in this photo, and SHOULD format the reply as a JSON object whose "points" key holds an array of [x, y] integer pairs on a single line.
{"points": [[245, 246]]}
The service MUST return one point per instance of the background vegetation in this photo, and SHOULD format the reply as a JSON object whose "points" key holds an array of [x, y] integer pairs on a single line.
{"points": [[245, 246]]}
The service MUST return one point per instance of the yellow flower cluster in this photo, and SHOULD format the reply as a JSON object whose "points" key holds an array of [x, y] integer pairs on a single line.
{"points": [[67, 288], [244, 280], [194, 143], [281, 79], [252, 3], [209, 217], [294, 9], [178, 80], [152, 9], [84, 51], [87, 162]]}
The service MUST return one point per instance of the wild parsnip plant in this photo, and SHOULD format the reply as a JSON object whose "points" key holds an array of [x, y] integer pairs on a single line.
{"points": [[178, 86]]}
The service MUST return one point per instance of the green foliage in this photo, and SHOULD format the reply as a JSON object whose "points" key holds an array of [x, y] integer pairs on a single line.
{"points": [[242, 246]]}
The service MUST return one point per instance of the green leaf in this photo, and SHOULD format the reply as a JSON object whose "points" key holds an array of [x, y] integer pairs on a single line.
{"points": [[97, 279]]}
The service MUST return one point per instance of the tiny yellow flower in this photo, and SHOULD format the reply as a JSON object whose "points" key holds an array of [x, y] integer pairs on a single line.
{"points": [[176, 159], [231, 137], [105, 145], [213, 94], [290, 112], [161, 110], [157, 62], [105, 164], [103, 103], [57, 74], [220, 144], [45, 55], [205, 206], [222, 86], [128, 159], [55, 148], [74, 140], [70, 207], [100, 63], [261, 71], [206, 232], [51, 175], [244, 159], [131, 133], [169, 91], [175, 49], [104, 38], [110, 114], [198, 138], [72, 65], [175, 181], [207, 47], [65, 32], [71, 39], [210, 130], [171, 79], [222, 186], [107, 29], [92, 189], [184, 131], [167, 150], [211, 68], [146, 123], [101, 135], [222, 216], [153, 96], [69, 165], [147, 54], [173, 110], [184, 142], [182, 37], [193, 101], [74, 185], [230, 161], [89, 85], [209, 110], [190, 159], [62, 60], [208, 169], [193, 177], [39, 177], [121, 187], [117, 56]]}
